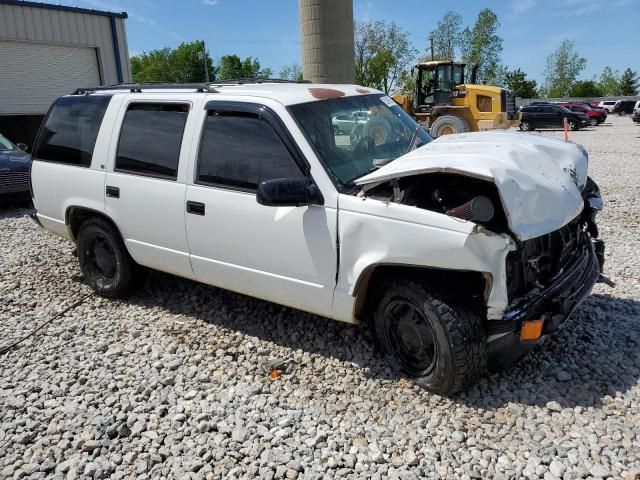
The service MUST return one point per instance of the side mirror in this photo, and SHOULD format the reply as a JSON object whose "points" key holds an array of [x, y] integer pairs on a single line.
{"points": [[288, 192], [23, 146]]}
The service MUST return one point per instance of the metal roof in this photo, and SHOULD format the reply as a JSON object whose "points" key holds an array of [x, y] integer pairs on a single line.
{"points": [[63, 8]]}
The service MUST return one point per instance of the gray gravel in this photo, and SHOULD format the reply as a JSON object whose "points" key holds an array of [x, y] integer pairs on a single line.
{"points": [[175, 382]]}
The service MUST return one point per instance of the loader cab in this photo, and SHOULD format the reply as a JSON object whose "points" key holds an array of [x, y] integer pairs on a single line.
{"points": [[436, 83]]}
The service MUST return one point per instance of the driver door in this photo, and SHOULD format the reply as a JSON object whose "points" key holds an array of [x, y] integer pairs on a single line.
{"points": [[285, 255]]}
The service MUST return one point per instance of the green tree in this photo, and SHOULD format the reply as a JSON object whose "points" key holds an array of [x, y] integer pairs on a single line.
{"points": [[629, 82], [383, 52], [446, 36], [481, 45], [586, 88], [563, 67], [231, 66], [609, 82], [516, 80], [292, 72], [182, 64]]}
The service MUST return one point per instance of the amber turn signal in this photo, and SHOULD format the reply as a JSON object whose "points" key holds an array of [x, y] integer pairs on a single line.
{"points": [[531, 329]]}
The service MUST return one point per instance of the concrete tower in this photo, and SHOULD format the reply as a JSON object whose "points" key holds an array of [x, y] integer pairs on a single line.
{"points": [[327, 40]]}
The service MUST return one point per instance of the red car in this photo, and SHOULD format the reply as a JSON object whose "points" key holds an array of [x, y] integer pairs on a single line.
{"points": [[596, 116]]}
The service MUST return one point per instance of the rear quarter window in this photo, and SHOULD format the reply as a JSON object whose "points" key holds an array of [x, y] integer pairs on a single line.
{"points": [[70, 130]]}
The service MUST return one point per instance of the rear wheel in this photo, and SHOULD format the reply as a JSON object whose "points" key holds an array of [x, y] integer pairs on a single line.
{"points": [[593, 122], [107, 266], [573, 125], [448, 125], [441, 344]]}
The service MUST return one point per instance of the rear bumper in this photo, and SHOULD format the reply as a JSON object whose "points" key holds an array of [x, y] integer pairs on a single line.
{"points": [[554, 304]]}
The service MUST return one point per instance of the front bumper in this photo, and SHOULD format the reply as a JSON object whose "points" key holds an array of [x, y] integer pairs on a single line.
{"points": [[554, 303]]}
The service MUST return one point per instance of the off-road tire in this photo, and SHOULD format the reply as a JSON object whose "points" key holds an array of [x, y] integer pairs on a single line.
{"points": [[526, 126], [114, 254], [459, 338], [447, 125]]}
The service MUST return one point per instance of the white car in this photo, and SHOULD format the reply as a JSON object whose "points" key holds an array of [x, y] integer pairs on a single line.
{"points": [[607, 105], [460, 253], [346, 123]]}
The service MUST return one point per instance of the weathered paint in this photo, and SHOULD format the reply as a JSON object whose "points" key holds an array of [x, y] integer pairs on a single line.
{"points": [[326, 93], [539, 179]]}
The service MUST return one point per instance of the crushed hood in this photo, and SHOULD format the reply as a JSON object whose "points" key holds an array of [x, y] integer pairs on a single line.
{"points": [[539, 179]]}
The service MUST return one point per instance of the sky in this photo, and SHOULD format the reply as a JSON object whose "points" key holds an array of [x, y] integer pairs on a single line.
{"points": [[606, 32]]}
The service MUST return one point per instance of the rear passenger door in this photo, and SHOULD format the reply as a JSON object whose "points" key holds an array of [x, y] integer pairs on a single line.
{"points": [[282, 254], [146, 181]]}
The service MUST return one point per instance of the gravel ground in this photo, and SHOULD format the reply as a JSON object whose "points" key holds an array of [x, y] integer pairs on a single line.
{"points": [[175, 382]]}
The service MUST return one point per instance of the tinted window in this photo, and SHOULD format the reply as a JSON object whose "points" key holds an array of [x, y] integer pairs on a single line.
{"points": [[150, 139], [71, 128], [242, 150]]}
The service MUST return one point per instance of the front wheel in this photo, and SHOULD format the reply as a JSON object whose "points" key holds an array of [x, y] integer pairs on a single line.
{"points": [[593, 122], [525, 126], [441, 344], [107, 266], [573, 125]]}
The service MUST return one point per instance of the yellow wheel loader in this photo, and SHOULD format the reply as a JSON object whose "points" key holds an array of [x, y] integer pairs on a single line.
{"points": [[444, 104]]}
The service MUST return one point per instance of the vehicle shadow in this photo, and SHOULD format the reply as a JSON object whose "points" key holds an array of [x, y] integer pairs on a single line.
{"points": [[599, 349], [15, 206]]}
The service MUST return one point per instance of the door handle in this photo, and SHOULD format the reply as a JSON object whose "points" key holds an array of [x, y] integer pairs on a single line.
{"points": [[196, 208], [113, 192]]}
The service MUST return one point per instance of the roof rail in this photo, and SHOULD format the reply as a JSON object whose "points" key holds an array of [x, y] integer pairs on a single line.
{"points": [[138, 87], [242, 81]]}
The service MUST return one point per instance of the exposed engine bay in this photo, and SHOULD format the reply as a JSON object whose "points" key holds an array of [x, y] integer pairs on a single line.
{"points": [[534, 262]]}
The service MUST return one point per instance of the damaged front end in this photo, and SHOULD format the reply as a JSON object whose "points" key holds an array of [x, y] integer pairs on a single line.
{"points": [[547, 211]]}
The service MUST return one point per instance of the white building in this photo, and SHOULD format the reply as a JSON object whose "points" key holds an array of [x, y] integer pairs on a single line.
{"points": [[50, 50]]}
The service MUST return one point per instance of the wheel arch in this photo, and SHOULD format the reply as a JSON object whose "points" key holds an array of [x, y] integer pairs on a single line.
{"points": [[455, 283], [76, 215]]}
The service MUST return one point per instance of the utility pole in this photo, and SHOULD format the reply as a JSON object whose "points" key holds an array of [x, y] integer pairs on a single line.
{"points": [[203, 55], [431, 43]]}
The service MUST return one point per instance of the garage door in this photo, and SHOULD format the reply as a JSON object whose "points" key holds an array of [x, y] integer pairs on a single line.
{"points": [[33, 75]]}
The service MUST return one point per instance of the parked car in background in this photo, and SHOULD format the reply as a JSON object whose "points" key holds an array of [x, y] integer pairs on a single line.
{"points": [[596, 117], [345, 123], [636, 116], [550, 116], [624, 107], [607, 105], [636, 107], [14, 167]]}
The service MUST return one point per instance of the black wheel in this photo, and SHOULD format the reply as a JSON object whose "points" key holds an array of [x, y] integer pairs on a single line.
{"points": [[525, 126], [448, 125], [573, 125], [442, 344], [593, 121], [107, 266]]}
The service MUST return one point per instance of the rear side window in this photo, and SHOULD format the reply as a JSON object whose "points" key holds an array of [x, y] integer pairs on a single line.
{"points": [[70, 130], [150, 139], [241, 150]]}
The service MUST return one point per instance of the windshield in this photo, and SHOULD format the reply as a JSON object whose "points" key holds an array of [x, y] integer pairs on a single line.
{"points": [[6, 145], [353, 136]]}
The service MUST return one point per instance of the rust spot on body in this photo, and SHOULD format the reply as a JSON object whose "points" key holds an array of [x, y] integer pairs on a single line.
{"points": [[325, 93], [362, 90]]}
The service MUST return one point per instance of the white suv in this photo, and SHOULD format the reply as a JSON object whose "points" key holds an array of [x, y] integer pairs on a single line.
{"points": [[461, 253], [607, 105]]}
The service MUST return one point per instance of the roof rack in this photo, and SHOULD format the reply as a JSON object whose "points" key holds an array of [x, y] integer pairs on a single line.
{"points": [[243, 81], [138, 87]]}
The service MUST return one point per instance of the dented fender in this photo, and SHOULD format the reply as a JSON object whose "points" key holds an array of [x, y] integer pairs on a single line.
{"points": [[374, 232]]}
